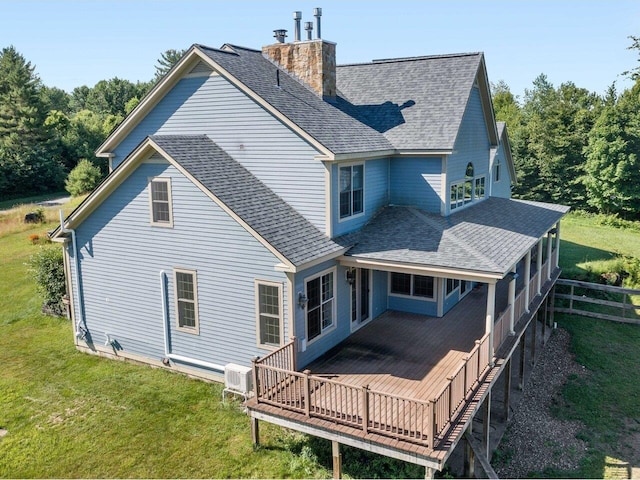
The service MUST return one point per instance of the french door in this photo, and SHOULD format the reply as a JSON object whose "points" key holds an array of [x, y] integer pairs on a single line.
{"points": [[360, 296]]}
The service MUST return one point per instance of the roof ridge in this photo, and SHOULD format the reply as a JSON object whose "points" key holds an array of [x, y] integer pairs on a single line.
{"points": [[213, 49], [410, 59]]}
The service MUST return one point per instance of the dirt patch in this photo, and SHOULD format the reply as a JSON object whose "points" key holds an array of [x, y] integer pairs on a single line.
{"points": [[535, 439]]}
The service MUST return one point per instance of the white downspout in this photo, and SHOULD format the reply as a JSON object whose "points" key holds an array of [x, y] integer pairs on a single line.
{"points": [[167, 348], [79, 331]]}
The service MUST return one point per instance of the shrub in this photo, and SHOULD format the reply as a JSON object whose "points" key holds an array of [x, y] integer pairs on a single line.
{"points": [[47, 270], [83, 178], [34, 238]]}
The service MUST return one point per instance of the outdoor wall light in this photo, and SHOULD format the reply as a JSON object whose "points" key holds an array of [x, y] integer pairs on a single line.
{"points": [[302, 300], [512, 276], [350, 276]]}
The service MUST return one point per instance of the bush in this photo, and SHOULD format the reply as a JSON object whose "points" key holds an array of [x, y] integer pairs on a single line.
{"points": [[83, 178], [47, 269]]}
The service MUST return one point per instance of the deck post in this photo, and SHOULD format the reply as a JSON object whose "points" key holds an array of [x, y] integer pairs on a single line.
{"points": [[337, 459], [550, 260], [527, 280], [255, 432], [469, 457], [307, 393], [539, 268], [491, 307], [429, 472], [534, 339], [544, 330], [486, 425], [507, 389], [254, 367], [512, 299], [294, 354], [553, 306], [522, 357], [365, 408]]}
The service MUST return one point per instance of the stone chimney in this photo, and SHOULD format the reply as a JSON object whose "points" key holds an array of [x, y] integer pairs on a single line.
{"points": [[311, 61]]}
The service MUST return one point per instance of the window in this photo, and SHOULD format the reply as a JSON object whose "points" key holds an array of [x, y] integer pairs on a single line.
{"points": [[269, 311], [160, 199], [496, 176], [452, 285], [351, 190], [320, 305], [479, 188], [411, 285], [186, 291]]}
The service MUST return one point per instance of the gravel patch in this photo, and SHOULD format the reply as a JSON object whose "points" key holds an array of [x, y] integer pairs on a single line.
{"points": [[535, 440]]}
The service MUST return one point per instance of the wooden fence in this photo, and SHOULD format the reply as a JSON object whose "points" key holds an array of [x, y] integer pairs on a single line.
{"points": [[597, 301]]}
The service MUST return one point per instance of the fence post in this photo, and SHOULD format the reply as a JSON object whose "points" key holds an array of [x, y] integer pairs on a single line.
{"points": [[365, 408], [624, 304], [307, 393], [571, 301], [256, 390]]}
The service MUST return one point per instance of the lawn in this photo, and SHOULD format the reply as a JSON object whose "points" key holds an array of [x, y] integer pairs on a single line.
{"points": [[71, 415]]}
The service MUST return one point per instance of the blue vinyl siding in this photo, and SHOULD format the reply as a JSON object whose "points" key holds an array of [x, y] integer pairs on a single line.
{"points": [[379, 291], [122, 255], [413, 305], [472, 145], [376, 195], [501, 188], [416, 182], [252, 136]]}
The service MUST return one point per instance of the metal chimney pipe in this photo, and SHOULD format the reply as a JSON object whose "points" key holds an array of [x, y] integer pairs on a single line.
{"points": [[308, 26], [317, 12], [297, 16], [280, 34]]}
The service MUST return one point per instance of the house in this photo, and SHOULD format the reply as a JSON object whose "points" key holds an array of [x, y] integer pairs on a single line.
{"points": [[343, 233]]}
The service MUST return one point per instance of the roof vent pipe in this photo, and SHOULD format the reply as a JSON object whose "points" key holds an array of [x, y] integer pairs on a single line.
{"points": [[280, 35], [308, 26], [297, 16], [317, 12]]}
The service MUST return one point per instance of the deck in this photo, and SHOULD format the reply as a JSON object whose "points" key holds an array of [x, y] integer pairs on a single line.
{"points": [[403, 385]]}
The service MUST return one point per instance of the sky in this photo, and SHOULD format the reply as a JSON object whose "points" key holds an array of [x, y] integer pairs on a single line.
{"points": [[80, 42]]}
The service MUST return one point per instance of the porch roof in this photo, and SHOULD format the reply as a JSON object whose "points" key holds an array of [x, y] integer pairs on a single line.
{"points": [[485, 239]]}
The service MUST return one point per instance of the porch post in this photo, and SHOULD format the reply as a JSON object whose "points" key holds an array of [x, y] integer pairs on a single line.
{"points": [[527, 280], [539, 267], [557, 255], [491, 307], [337, 459], [550, 260], [512, 300]]}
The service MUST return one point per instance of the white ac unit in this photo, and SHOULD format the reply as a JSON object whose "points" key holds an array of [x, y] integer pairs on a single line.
{"points": [[237, 378]]}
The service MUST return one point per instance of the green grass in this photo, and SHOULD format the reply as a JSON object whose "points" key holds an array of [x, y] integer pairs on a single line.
{"points": [[14, 202]]}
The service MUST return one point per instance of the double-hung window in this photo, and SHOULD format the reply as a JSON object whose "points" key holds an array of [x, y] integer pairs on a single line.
{"points": [[320, 304], [351, 181], [269, 312], [186, 293], [412, 285], [160, 201]]}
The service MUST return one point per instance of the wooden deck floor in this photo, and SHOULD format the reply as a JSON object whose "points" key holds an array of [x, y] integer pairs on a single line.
{"points": [[406, 354]]}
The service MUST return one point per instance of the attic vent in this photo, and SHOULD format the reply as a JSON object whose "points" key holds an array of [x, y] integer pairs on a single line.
{"points": [[201, 70]]}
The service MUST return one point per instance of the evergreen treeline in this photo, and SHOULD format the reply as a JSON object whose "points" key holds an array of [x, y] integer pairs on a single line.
{"points": [[570, 145]]}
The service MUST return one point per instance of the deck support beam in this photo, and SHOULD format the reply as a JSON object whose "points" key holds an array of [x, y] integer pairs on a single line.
{"points": [[255, 432], [522, 357], [486, 425], [429, 473], [539, 268], [337, 459], [469, 456], [527, 280], [507, 390]]}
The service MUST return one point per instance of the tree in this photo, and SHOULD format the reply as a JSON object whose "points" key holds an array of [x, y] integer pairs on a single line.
{"points": [[28, 157], [166, 61], [634, 73], [110, 97], [83, 178]]}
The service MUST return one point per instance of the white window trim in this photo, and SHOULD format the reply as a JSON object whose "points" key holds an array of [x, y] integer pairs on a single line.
{"points": [[192, 330], [325, 332], [497, 172], [474, 199], [357, 215], [166, 180], [280, 287], [455, 289], [357, 325], [412, 296]]}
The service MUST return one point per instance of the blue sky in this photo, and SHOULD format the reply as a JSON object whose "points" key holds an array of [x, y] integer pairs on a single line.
{"points": [[80, 42]]}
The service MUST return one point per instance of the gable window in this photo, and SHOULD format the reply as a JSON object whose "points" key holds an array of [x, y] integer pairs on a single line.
{"points": [[411, 285], [269, 312], [186, 293], [160, 200], [351, 179], [496, 175], [320, 304], [468, 190]]}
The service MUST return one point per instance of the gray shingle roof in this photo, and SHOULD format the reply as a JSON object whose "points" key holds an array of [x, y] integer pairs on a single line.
{"points": [[416, 103], [265, 212], [486, 238], [330, 126]]}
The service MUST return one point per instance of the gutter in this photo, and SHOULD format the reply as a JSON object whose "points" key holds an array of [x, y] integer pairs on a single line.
{"points": [[166, 322], [80, 332]]}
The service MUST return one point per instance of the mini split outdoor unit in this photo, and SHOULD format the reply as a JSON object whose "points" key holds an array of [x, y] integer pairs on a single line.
{"points": [[237, 379]]}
